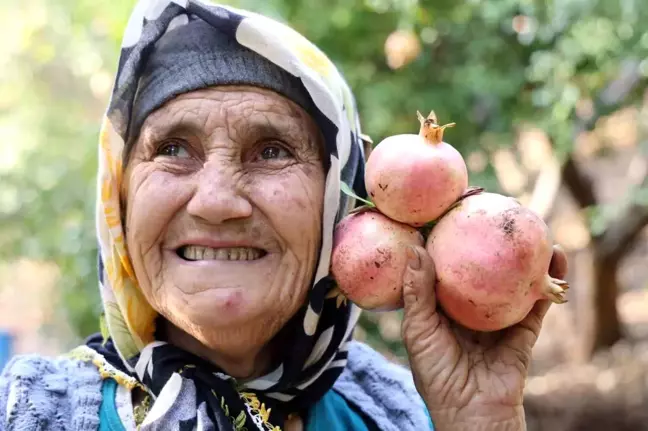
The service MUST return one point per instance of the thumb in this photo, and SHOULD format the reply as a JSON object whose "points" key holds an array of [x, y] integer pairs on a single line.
{"points": [[419, 299]]}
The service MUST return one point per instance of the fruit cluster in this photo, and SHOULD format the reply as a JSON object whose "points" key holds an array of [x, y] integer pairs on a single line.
{"points": [[491, 254]]}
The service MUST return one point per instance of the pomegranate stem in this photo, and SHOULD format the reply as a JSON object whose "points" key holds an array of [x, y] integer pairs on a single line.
{"points": [[363, 209]]}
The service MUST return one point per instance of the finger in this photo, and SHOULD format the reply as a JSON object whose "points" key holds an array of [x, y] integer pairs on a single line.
{"points": [[539, 311], [418, 283], [559, 265], [523, 336], [426, 334]]}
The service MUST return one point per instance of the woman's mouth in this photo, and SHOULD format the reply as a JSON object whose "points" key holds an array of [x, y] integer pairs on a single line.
{"points": [[197, 253]]}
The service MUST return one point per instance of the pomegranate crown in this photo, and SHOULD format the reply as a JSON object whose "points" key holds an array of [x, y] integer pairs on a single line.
{"points": [[430, 129]]}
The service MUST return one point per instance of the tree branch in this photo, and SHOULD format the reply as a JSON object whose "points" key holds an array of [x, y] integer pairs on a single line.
{"points": [[622, 233], [546, 188], [609, 100], [580, 185], [614, 95]]}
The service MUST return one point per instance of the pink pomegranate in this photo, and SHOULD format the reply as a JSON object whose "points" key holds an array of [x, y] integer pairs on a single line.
{"points": [[369, 258], [492, 258], [414, 179]]}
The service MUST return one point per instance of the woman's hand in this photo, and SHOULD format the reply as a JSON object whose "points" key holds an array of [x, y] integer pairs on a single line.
{"points": [[469, 380]]}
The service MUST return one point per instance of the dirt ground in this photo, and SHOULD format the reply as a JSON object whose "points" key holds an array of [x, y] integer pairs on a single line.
{"points": [[609, 393]]}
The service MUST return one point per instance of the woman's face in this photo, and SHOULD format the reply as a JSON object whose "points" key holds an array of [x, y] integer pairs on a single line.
{"points": [[224, 196]]}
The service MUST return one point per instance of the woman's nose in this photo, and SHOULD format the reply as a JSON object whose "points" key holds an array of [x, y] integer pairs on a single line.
{"points": [[217, 197]]}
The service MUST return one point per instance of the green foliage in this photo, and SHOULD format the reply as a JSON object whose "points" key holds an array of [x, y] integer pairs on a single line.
{"points": [[58, 57]]}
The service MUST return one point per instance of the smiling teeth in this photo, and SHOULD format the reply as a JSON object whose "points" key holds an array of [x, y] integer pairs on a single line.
{"points": [[194, 252]]}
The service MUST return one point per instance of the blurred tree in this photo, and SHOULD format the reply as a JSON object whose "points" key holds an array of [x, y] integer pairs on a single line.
{"points": [[493, 67], [58, 57], [496, 68]]}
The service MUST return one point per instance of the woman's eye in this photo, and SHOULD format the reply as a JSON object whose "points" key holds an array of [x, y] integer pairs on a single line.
{"points": [[172, 149], [271, 151]]}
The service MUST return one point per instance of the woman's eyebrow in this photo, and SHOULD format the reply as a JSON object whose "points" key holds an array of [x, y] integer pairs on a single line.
{"points": [[159, 129], [267, 128], [260, 127]]}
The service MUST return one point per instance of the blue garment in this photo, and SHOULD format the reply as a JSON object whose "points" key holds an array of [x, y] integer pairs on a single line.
{"points": [[332, 412], [60, 394], [108, 417], [53, 394]]}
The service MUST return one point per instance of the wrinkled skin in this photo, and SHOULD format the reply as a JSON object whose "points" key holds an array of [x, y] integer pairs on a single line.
{"points": [[226, 164], [469, 380]]}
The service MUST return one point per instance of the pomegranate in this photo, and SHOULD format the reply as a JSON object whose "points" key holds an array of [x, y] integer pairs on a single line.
{"points": [[414, 179], [369, 258], [492, 257]]}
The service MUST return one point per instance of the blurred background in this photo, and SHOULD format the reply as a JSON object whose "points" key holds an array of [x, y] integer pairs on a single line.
{"points": [[551, 102]]}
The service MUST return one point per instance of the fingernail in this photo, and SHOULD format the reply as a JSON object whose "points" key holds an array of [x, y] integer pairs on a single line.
{"points": [[414, 258]]}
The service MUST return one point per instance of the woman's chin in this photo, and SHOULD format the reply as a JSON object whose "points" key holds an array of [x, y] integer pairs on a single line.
{"points": [[221, 306], [228, 319], [223, 321]]}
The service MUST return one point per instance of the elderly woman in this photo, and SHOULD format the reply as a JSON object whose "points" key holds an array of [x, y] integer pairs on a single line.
{"points": [[221, 158]]}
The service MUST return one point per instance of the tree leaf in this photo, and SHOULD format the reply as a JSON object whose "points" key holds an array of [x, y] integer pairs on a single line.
{"points": [[349, 192]]}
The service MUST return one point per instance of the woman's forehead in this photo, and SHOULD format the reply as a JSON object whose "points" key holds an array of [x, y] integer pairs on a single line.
{"points": [[219, 103]]}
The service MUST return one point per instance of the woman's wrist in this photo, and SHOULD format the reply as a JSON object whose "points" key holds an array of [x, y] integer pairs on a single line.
{"points": [[479, 419]]}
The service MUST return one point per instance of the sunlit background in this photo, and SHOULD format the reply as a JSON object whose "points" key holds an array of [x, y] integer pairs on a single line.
{"points": [[551, 102]]}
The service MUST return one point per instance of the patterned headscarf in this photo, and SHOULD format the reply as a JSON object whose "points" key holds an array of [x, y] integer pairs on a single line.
{"points": [[188, 391]]}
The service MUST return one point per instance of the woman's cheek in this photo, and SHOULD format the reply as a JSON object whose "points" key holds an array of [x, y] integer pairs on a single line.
{"points": [[294, 204], [153, 202]]}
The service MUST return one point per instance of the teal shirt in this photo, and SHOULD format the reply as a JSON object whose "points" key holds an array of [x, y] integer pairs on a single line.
{"points": [[331, 412], [108, 417]]}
